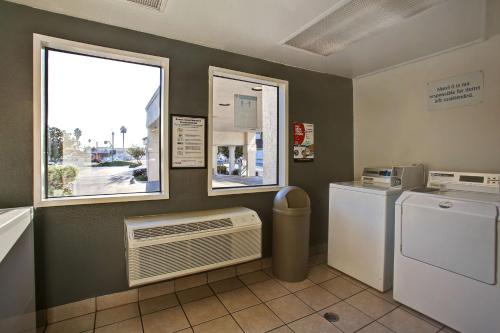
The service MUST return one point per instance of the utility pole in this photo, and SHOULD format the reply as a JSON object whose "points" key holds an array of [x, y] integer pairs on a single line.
{"points": [[112, 146]]}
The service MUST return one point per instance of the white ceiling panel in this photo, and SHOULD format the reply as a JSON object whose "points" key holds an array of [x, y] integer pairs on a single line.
{"points": [[258, 28]]}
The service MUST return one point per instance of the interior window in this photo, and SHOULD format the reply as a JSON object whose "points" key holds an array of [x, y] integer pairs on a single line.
{"points": [[102, 125]]}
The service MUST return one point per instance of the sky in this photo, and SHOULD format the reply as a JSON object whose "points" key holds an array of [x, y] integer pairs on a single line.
{"points": [[98, 96]]}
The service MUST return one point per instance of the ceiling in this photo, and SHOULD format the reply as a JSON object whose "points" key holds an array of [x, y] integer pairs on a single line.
{"points": [[258, 28]]}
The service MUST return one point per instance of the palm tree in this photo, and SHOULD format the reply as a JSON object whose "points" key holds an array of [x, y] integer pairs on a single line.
{"points": [[123, 130], [78, 133]]}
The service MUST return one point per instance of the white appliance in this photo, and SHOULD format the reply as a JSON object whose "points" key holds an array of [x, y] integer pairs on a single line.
{"points": [[160, 247], [361, 223], [446, 250]]}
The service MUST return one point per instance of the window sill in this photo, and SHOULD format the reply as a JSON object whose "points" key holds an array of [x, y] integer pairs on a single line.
{"points": [[243, 190], [100, 199]]}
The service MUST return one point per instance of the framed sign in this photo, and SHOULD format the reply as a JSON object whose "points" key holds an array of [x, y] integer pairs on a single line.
{"points": [[188, 144], [303, 142], [457, 91]]}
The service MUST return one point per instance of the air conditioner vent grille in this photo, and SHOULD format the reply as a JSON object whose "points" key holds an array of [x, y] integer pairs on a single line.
{"points": [[158, 5], [179, 229], [173, 258]]}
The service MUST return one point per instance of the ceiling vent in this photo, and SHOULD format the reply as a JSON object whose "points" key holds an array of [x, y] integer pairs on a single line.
{"points": [[158, 5], [353, 20]]}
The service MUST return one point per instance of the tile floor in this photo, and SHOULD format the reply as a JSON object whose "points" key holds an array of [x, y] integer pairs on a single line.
{"points": [[257, 302]]}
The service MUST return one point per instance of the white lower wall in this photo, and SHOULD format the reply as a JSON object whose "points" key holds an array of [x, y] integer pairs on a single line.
{"points": [[392, 124]]}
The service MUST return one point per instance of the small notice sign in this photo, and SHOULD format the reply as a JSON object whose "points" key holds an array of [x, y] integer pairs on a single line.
{"points": [[188, 143], [303, 142], [457, 91]]}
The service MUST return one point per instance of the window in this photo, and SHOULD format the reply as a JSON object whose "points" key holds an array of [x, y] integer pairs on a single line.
{"points": [[247, 133], [99, 124]]}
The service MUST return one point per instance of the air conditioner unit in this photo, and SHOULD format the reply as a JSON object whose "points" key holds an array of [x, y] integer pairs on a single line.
{"points": [[160, 247]]}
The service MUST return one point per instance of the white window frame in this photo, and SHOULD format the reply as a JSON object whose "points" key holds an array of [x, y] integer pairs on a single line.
{"points": [[282, 131], [40, 42]]}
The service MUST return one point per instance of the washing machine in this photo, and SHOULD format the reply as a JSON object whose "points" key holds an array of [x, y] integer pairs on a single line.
{"points": [[446, 250], [361, 223]]}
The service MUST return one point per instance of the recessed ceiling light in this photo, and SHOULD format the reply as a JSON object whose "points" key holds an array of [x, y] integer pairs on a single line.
{"points": [[224, 104], [158, 5], [353, 20]]}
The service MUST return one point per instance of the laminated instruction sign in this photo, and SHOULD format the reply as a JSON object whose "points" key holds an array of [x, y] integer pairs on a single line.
{"points": [[303, 142], [188, 143], [457, 91]]}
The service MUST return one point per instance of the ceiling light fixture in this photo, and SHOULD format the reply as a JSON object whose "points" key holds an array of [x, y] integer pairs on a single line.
{"points": [[158, 5], [352, 20]]}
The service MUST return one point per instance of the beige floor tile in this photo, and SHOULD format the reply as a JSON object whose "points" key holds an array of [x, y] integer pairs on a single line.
{"points": [[73, 325], [268, 290], [114, 315], [163, 302], [254, 277], [422, 316], [249, 267], [374, 328], [155, 290], [194, 294], [221, 274], [317, 298], [222, 325], [318, 274], [350, 318], [239, 299], [282, 329], [226, 285], [341, 287], [116, 299], [370, 304], [289, 308], [165, 321], [313, 324], [187, 330], [128, 326], [355, 281], [331, 269], [401, 321], [204, 310], [387, 296], [296, 286], [257, 319], [190, 281], [70, 310]]}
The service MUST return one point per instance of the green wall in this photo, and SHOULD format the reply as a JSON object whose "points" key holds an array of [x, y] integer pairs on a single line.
{"points": [[80, 249]]}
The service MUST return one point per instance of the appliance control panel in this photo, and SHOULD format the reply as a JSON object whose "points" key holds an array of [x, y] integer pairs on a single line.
{"points": [[466, 181]]}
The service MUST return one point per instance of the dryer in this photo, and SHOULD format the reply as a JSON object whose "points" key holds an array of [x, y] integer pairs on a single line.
{"points": [[361, 222], [446, 250]]}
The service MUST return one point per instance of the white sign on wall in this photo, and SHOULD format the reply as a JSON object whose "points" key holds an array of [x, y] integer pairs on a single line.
{"points": [[457, 91]]}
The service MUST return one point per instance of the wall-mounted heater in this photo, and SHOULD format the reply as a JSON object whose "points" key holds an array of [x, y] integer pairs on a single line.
{"points": [[160, 247]]}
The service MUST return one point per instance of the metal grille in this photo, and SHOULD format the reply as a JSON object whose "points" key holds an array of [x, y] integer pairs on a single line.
{"points": [[154, 4], [179, 229], [177, 258], [354, 21]]}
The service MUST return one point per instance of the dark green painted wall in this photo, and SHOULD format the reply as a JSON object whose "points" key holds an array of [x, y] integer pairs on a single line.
{"points": [[80, 249]]}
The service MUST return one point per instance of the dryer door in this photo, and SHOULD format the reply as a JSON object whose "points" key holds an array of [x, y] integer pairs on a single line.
{"points": [[458, 236]]}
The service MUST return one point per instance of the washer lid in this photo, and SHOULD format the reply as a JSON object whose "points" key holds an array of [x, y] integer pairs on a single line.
{"points": [[367, 188], [456, 235]]}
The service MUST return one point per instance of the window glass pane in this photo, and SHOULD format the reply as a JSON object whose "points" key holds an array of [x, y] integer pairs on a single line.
{"points": [[102, 126], [245, 133]]}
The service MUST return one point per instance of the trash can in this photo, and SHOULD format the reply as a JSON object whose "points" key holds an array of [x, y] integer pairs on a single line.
{"points": [[291, 213]]}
